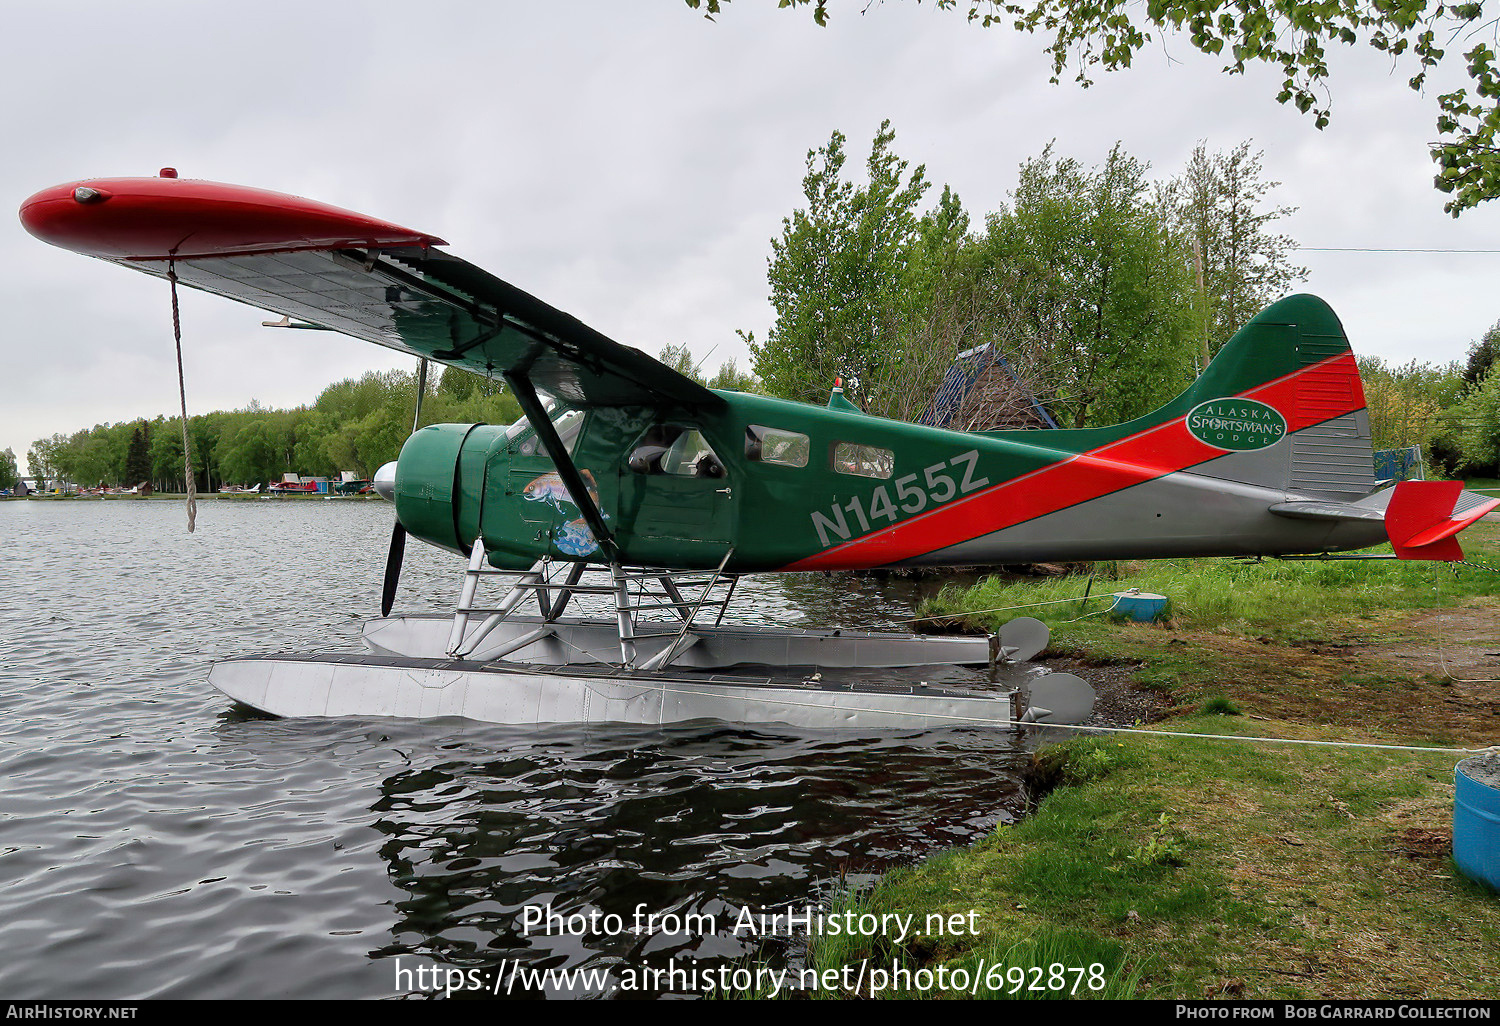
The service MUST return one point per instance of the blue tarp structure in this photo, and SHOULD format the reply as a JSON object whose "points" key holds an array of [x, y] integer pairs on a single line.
{"points": [[1399, 464], [968, 367]]}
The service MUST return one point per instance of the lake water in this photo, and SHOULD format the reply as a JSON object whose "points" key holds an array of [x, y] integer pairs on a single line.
{"points": [[158, 841]]}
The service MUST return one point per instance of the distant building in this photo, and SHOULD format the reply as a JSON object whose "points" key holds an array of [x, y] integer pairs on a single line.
{"points": [[982, 392]]}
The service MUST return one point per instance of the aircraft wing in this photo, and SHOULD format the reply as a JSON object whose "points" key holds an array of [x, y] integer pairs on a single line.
{"points": [[335, 269]]}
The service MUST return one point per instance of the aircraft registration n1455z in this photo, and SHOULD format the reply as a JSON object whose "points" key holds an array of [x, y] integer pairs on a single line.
{"points": [[635, 484]]}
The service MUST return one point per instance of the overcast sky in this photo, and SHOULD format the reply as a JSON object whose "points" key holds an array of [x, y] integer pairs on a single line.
{"points": [[627, 162]]}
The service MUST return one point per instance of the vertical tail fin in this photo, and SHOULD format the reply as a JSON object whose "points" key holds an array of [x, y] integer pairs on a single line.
{"points": [[1294, 358]]}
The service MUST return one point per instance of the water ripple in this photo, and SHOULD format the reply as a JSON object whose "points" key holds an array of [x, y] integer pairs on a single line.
{"points": [[156, 841]]}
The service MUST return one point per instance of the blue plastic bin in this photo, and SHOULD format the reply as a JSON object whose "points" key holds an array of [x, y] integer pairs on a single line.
{"points": [[1476, 819], [1141, 606]]}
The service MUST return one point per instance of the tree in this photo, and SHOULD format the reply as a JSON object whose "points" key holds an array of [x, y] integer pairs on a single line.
{"points": [[9, 475], [138, 456], [1100, 285], [849, 277], [680, 359], [1292, 37], [1406, 403], [731, 379], [1218, 206], [165, 450], [458, 383], [249, 455], [729, 376], [1482, 355], [42, 458], [1476, 424]]}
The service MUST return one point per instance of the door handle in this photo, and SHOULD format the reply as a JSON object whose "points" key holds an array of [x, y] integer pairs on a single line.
{"points": [[721, 491]]}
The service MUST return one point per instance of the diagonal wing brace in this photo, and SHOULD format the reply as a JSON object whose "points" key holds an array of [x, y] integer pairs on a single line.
{"points": [[567, 470]]}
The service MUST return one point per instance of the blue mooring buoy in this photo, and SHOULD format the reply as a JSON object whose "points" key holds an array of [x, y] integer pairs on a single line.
{"points": [[1141, 606], [1476, 818]]}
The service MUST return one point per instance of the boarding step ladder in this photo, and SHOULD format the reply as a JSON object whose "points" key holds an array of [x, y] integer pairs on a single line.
{"points": [[633, 591]]}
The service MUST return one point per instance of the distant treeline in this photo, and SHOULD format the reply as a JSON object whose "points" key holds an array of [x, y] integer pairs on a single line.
{"points": [[357, 424]]}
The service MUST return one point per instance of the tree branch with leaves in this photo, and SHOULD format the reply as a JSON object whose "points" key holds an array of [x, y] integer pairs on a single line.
{"points": [[1293, 36]]}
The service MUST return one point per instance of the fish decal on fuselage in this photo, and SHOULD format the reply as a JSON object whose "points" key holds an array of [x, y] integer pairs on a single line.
{"points": [[574, 537], [550, 488]]}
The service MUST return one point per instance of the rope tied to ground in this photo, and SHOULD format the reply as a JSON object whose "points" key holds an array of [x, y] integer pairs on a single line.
{"points": [[187, 445]]}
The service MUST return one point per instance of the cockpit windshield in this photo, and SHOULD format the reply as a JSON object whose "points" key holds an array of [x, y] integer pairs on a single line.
{"points": [[566, 421]]}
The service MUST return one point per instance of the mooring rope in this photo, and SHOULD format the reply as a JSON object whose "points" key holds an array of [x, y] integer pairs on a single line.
{"points": [[1250, 737], [187, 447], [959, 720]]}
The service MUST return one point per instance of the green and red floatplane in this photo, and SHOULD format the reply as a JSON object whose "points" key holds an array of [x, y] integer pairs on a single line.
{"points": [[625, 467]]}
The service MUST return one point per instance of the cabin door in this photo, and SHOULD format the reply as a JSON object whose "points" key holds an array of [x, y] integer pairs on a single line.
{"points": [[682, 498]]}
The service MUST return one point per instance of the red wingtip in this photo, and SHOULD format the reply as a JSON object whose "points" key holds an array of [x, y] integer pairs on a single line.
{"points": [[157, 218]]}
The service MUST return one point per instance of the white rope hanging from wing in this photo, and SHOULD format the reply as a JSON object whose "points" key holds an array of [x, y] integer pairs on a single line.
{"points": [[187, 448]]}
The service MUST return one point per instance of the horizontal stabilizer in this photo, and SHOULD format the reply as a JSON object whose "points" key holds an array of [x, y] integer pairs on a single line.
{"points": [[1424, 517], [1312, 509], [1421, 517]]}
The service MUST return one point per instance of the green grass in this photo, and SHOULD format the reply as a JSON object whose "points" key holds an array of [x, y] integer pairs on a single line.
{"points": [[1220, 593], [1218, 705], [1333, 642], [1199, 868]]}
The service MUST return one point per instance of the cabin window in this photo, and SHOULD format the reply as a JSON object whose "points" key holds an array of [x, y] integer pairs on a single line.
{"points": [[863, 460], [775, 446], [676, 450]]}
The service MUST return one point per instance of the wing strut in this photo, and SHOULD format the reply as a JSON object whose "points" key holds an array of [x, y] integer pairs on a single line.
{"points": [[521, 387]]}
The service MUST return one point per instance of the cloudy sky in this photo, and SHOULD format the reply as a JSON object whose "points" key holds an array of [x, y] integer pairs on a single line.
{"points": [[627, 162]]}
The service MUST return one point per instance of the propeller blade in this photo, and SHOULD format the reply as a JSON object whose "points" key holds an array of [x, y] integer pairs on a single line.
{"points": [[393, 568]]}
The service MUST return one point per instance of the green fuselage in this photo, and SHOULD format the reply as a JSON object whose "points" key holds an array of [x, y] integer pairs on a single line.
{"points": [[455, 481]]}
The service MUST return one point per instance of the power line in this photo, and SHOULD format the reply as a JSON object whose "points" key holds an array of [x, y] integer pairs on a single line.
{"points": [[1381, 249]]}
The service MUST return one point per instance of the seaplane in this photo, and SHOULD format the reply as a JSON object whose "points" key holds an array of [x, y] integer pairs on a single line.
{"points": [[634, 488]]}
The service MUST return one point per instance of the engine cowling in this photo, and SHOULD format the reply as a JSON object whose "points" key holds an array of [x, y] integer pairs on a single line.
{"points": [[438, 486]]}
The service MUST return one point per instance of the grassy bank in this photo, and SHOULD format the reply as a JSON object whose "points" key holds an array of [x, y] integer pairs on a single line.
{"points": [[1364, 645], [1210, 868], [1192, 868]]}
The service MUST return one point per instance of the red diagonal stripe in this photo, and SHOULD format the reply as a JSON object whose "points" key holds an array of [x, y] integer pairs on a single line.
{"points": [[1159, 450]]}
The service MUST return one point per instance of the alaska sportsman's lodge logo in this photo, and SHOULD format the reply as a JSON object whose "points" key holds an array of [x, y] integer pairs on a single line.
{"points": [[1239, 425]]}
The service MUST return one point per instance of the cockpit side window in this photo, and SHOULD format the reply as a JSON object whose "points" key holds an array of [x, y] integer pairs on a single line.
{"points": [[677, 450], [863, 460]]}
